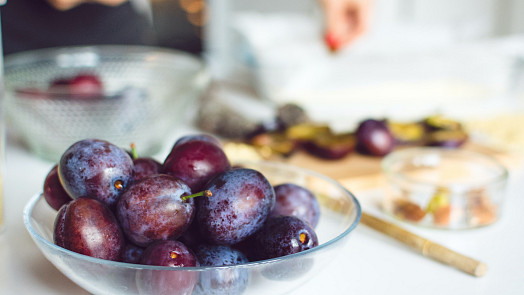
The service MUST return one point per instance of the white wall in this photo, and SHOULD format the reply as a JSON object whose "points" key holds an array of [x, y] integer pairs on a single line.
{"points": [[517, 16], [274, 5], [450, 20], [468, 18]]}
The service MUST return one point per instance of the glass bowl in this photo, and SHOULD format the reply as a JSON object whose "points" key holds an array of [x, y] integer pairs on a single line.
{"points": [[340, 214], [444, 188], [144, 89]]}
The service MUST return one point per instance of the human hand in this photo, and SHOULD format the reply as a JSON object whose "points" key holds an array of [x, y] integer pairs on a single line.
{"points": [[345, 21], [68, 4]]}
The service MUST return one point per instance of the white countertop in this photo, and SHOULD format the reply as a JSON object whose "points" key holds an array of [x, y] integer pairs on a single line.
{"points": [[370, 263]]}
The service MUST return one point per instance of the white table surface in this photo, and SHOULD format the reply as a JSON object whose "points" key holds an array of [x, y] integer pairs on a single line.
{"points": [[370, 263]]}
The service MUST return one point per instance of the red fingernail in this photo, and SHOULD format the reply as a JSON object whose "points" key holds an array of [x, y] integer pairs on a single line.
{"points": [[331, 42]]}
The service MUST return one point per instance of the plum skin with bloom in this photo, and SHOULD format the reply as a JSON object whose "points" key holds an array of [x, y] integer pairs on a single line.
{"points": [[96, 169], [88, 227], [224, 281], [167, 253], [152, 209], [196, 162], [54, 192], [295, 200], [242, 200]]}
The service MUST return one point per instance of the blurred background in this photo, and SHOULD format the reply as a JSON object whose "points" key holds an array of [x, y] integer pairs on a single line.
{"points": [[462, 58], [415, 58], [478, 18]]}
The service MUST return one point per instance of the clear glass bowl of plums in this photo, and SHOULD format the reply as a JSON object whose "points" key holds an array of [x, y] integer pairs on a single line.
{"points": [[340, 213]]}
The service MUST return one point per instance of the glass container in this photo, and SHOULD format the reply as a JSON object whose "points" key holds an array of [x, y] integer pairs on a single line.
{"points": [[444, 188], [340, 213]]}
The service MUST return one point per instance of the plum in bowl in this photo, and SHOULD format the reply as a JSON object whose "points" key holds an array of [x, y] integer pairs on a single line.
{"points": [[340, 213]]}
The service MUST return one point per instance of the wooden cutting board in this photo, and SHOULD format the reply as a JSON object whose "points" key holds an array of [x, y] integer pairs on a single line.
{"points": [[359, 172]]}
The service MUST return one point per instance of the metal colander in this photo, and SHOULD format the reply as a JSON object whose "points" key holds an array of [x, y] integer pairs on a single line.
{"points": [[147, 91]]}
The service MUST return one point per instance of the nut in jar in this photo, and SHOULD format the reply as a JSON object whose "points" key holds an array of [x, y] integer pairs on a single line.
{"points": [[442, 188]]}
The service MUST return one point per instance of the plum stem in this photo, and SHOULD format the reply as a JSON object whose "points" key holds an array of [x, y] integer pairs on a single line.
{"points": [[205, 193], [134, 153]]}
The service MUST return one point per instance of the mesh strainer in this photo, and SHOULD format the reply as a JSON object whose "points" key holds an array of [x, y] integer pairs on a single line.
{"points": [[147, 91]]}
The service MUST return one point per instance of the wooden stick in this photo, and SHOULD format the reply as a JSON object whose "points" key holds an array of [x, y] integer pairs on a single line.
{"points": [[426, 247]]}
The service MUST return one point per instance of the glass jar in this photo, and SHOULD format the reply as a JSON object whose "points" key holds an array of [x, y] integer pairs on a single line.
{"points": [[444, 188]]}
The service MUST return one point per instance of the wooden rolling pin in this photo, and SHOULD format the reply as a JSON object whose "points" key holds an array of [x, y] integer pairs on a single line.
{"points": [[426, 247]]}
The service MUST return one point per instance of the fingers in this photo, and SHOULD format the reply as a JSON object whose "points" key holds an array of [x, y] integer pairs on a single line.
{"points": [[334, 24], [68, 4], [345, 21], [356, 19], [64, 4], [110, 2]]}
